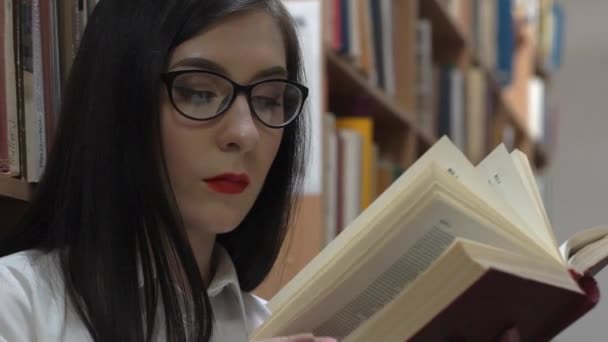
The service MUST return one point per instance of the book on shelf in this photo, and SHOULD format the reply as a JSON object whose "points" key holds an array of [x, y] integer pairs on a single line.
{"points": [[475, 121], [374, 35], [350, 147], [330, 178], [449, 250], [450, 114], [364, 127], [10, 146], [4, 162], [39, 41], [355, 170], [425, 88]]}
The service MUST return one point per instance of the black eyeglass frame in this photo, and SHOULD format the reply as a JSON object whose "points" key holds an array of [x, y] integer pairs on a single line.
{"points": [[170, 76]]}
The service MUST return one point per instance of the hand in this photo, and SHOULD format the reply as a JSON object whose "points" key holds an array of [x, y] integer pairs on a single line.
{"points": [[301, 338], [511, 335]]}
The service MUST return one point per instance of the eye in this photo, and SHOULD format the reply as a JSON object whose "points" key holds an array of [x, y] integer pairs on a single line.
{"points": [[193, 95], [266, 102]]}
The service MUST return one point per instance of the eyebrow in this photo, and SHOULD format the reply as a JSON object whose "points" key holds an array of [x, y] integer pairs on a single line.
{"points": [[203, 63]]}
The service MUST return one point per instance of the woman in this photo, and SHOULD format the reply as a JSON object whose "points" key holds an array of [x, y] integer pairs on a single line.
{"points": [[171, 182]]}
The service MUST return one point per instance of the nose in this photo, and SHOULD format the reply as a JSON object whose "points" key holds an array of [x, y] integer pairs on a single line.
{"points": [[238, 130]]}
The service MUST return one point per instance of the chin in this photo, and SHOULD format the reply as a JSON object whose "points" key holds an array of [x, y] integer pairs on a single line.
{"points": [[215, 220]]}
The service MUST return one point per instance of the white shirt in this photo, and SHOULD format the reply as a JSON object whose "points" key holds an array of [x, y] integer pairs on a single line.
{"points": [[32, 304]]}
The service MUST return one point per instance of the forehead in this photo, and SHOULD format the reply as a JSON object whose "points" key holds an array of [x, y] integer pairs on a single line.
{"points": [[241, 44]]}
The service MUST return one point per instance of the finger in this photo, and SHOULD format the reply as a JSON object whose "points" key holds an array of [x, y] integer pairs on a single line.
{"points": [[300, 338], [511, 335], [326, 339], [293, 338]]}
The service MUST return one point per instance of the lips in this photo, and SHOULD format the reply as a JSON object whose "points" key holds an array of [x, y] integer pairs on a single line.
{"points": [[228, 183]]}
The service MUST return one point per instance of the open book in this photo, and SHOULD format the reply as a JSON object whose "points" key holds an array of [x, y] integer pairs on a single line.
{"points": [[449, 251]]}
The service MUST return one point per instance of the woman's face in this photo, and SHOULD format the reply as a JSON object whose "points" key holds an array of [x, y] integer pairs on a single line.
{"points": [[218, 167]]}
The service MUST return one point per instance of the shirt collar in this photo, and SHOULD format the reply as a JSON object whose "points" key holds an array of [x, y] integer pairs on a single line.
{"points": [[225, 273]]}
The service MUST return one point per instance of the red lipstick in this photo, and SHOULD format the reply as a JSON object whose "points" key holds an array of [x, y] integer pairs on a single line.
{"points": [[228, 183]]}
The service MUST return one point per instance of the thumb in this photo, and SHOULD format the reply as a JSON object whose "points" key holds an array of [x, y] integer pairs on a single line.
{"points": [[511, 335], [299, 338], [293, 338]]}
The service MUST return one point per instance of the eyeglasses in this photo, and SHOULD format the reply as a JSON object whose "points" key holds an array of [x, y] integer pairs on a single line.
{"points": [[204, 95]]}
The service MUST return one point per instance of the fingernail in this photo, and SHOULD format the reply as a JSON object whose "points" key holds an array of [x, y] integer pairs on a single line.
{"points": [[326, 339]]}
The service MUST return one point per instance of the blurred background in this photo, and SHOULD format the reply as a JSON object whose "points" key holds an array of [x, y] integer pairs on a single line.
{"points": [[577, 192]]}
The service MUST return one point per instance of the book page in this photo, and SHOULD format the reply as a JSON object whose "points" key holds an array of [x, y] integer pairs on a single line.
{"points": [[590, 259], [445, 154], [523, 165], [502, 174], [529, 184], [581, 240], [388, 285]]}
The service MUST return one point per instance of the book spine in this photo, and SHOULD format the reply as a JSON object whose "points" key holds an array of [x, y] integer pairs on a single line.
{"points": [[345, 47], [457, 118], [12, 127], [330, 177], [376, 14], [337, 25], [56, 76], [576, 310], [387, 47], [505, 38], [4, 163], [37, 128], [66, 23], [354, 28], [30, 100], [76, 25], [47, 72], [19, 27], [444, 124], [425, 88], [370, 45]]}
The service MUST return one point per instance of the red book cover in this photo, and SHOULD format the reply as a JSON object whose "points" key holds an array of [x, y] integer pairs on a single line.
{"points": [[578, 310], [499, 301], [337, 26]]}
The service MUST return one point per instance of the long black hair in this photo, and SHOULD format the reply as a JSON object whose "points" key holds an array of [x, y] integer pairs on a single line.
{"points": [[103, 203]]}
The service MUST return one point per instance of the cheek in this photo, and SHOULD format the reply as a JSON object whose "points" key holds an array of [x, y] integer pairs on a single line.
{"points": [[182, 142], [171, 142], [270, 147]]}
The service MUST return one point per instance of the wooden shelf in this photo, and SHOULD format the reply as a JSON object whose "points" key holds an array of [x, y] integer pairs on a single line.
{"points": [[13, 188], [448, 39], [344, 78], [542, 71], [540, 158]]}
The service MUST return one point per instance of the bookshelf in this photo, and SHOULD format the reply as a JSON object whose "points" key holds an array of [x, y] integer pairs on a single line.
{"points": [[14, 195], [448, 36], [347, 80], [452, 43], [14, 189], [398, 131]]}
